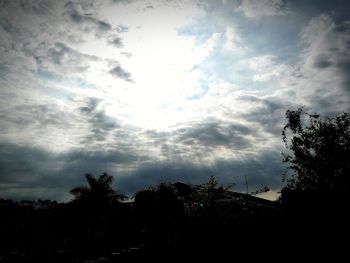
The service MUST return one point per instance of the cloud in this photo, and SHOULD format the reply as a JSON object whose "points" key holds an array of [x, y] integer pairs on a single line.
{"points": [[269, 113], [67, 24], [326, 42], [50, 40], [324, 64], [215, 133], [32, 173], [212, 101], [229, 171], [100, 125], [233, 40], [41, 124], [80, 124], [63, 59], [81, 13], [25, 169], [266, 68], [117, 42], [121, 73], [261, 8], [122, 1]]}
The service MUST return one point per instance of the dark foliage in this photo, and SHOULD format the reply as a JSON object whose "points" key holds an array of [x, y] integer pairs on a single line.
{"points": [[318, 151], [315, 200], [168, 219], [98, 192]]}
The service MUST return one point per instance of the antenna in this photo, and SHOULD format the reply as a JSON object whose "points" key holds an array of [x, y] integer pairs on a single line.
{"points": [[246, 183]]}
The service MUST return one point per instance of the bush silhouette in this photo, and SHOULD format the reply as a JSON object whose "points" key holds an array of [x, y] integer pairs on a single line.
{"points": [[158, 208]]}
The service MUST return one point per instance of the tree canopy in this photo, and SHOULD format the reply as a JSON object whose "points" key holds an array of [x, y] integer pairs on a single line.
{"points": [[317, 151], [99, 190]]}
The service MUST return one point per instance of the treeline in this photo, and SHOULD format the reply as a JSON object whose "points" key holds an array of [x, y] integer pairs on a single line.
{"points": [[167, 219]]}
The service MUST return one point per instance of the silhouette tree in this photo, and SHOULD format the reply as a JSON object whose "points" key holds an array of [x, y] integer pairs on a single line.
{"points": [[158, 205], [210, 192], [159, 214], [210, 202], [317, 150], [98, 191]]}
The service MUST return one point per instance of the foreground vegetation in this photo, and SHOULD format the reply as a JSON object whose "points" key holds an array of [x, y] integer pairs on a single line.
{"points": [[167, 219]]}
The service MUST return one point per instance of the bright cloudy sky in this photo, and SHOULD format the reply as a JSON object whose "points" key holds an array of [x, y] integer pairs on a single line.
{"points": [[152, 91]]}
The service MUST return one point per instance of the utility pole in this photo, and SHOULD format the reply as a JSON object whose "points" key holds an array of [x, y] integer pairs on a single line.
{"points": [[246, 183]]}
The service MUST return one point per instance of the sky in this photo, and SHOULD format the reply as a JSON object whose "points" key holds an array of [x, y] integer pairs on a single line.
{"points": [[160, 90]]}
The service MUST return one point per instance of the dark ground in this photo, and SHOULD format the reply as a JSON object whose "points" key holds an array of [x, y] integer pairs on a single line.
{"points": [[304, 225]]}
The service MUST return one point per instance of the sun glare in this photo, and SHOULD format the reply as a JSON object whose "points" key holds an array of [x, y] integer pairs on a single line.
{"points": [[162, 64]]}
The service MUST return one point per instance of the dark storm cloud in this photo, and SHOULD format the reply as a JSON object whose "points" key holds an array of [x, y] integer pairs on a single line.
{"points": [[153, 173], [18, 161], [27, 168], [215, 133], [309, 8], [121, 73], [264, 169], [30, 168]]}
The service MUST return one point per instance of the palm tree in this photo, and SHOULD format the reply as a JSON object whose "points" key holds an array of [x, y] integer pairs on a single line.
{"points": [[98, 191]]}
